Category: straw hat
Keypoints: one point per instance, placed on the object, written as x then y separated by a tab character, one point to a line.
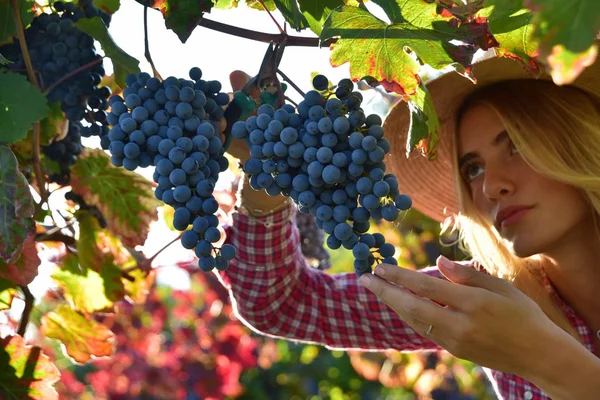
430	184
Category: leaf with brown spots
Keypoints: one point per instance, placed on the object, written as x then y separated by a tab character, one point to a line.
125	199
26	372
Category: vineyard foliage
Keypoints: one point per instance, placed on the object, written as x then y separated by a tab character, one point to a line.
106	329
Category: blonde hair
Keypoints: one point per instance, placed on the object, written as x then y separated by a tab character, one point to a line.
557	132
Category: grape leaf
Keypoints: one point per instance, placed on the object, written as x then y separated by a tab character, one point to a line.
26	372
25	269
8	29
182	16
566	31
511	25
83	338
317	11
16	207
225	4
290	11
123	63
87	290
378	50
89	246
424	130
256	5
19	112
109	6
124	198
8	290
139	289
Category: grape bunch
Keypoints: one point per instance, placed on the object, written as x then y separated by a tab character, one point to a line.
328	156
174	126
312	240
57	48
64	152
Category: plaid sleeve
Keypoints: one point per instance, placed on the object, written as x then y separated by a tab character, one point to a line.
275	293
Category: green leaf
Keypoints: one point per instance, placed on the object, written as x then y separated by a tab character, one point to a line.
125	199
16	207
510	24
225	4
88	244
182	16
8	290
8	29
83	338
4	60
566	31
25	269
123	63
257	6
21	105
26	372
424	124
109	6
317	11
290	11
378	50
86	290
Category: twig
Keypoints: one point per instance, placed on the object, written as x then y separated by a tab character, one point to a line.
148	261
22	43
72	73
272	17
147	46
262	36
56	237
42	237
37	164
288	80
291	101
29	300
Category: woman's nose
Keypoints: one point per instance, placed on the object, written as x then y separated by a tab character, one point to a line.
497	182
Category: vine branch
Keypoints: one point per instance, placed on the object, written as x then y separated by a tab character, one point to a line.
37	167
147	46
262	36
22	43
29	300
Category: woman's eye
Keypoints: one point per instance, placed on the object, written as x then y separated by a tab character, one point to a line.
513	149
472	171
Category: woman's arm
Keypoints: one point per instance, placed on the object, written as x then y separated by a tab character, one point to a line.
275	293
566	370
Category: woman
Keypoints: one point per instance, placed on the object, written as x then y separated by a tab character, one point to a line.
518	171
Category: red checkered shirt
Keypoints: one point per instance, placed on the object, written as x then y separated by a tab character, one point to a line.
276	294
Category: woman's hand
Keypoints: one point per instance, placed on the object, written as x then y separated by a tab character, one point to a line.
486	320
238	148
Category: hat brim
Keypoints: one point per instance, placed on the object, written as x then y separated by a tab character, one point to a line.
430	184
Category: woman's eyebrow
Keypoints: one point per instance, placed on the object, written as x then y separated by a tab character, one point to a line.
499	139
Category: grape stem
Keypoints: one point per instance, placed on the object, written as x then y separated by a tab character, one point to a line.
23	43
37	167
288	80
272	17
147	46
149	260
29	300
72	73
262	36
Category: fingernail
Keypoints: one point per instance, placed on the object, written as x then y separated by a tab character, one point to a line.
447	263
380	271
365	279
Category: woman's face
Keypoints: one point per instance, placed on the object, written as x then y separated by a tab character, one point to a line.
534	213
